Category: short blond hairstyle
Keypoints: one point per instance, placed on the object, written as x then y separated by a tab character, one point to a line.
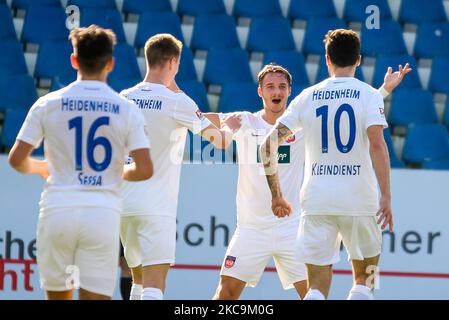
273	68
160	48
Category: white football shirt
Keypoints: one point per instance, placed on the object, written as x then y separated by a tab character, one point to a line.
88	129
167	115
334	115
253	193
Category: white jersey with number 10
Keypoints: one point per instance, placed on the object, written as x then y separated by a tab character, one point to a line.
338	177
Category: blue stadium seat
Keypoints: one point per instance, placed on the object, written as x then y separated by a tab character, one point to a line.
214	31
438	75
227	65
25	4
436	165
293	61
394	160
197	92
418	11
270	33
119	84
61	81
426	142
18	92
7	30
106	18
386	40
110	4
151	23
432	39
246	8
126	66
44	24
11	126
139	6
187	70
446	114
306	9
196	8
12	59
411	80
355	9
316	30
296	90
324	74
53	60
239	97
412	106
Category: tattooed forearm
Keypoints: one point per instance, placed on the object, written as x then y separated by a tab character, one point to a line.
269	156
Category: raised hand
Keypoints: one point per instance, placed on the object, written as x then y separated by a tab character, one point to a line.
393	79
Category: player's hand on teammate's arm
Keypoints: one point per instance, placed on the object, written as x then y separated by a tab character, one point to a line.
233	122
281	207
385	214
393	79
141	168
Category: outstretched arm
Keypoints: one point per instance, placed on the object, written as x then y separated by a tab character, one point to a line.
393	79
269	156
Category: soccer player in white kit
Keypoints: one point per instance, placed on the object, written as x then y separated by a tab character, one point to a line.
88	130
148	223
259	234
342	120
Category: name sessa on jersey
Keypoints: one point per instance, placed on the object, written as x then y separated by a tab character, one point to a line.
88	129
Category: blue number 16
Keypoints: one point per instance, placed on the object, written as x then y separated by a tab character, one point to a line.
92	143
323	112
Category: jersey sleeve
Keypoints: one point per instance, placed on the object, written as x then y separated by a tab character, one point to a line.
187	114
291	118
137	137
32	130
375	112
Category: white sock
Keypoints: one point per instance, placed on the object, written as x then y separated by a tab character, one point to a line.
152	294
314	294
360	292
136	292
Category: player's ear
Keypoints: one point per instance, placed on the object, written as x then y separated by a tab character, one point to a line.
259	91
110	65
328	60
74	61
359	60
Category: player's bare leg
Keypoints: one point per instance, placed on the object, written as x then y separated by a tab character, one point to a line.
229	288
319	280
153	281
88	295
59	295
137	286
364	275
301	288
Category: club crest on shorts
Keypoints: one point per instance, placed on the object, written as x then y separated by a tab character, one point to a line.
229	262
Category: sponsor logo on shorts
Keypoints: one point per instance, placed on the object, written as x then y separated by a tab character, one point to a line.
229	262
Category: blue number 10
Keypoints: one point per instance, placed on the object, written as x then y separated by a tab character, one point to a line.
323	111
92	143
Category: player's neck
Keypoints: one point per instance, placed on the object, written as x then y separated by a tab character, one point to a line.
158	77
347	72
97	77
271	117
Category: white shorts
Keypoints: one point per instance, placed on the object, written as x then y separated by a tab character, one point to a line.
319	238
148	240
78	246
251	249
